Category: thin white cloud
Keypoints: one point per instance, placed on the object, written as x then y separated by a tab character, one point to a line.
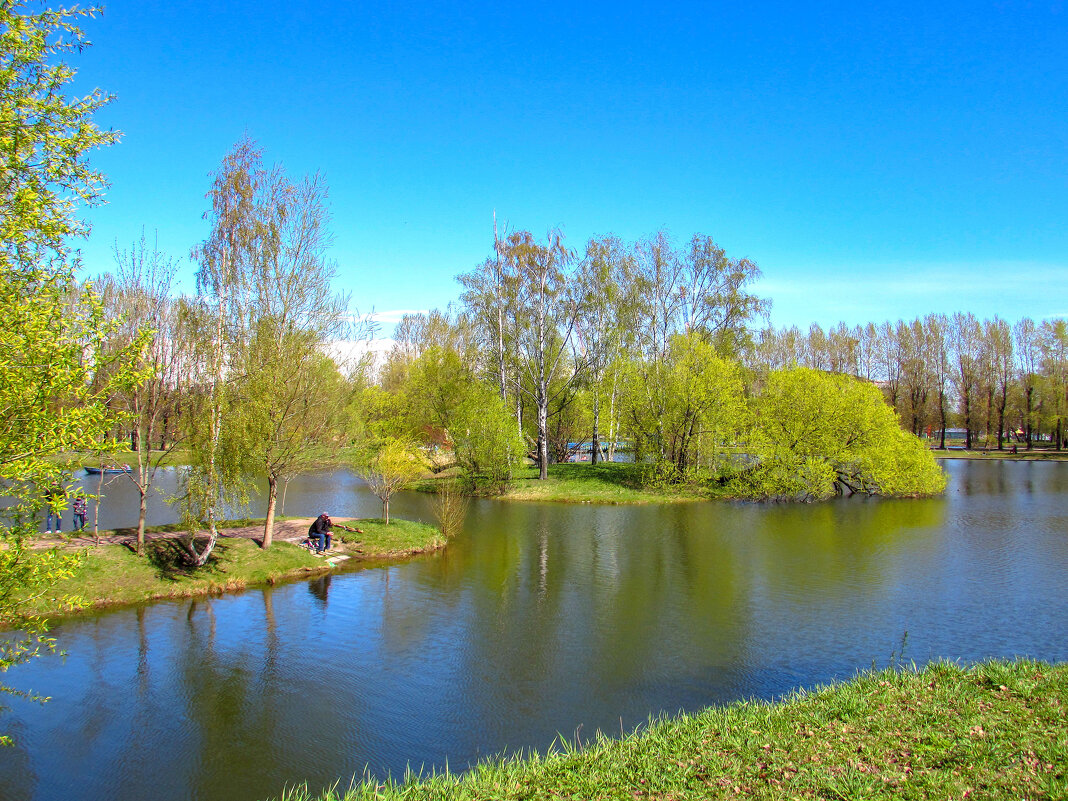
393	316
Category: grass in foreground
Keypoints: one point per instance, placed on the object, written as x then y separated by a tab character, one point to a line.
993	731
114	574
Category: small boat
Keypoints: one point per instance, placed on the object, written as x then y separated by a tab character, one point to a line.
107	471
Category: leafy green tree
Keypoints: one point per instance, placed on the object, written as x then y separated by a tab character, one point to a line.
819	434
700	407
53	337
488	446
389	468
45	137
289	411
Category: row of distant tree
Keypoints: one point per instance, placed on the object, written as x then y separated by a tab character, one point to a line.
559	334
989	377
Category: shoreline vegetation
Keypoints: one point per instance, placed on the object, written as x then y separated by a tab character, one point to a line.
111	574
993	731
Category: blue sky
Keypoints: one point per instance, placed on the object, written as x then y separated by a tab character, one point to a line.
876	161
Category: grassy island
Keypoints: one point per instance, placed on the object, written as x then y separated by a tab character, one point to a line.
607	482
992	731
112	574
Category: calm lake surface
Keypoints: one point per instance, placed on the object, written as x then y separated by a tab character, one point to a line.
539	620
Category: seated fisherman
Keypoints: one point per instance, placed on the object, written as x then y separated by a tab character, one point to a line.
319	532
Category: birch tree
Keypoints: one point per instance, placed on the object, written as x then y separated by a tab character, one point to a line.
604	278
1028	360
546	312
220	319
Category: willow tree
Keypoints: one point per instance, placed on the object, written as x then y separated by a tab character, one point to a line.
289	389
704	408
219	321
818	434
696	291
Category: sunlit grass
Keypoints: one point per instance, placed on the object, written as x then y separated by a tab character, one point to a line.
113	574
606	482
993	731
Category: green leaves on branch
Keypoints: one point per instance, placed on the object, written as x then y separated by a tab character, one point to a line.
486	440
819	434
390	467
44	134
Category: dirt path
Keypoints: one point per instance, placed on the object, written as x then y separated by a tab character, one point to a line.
292	530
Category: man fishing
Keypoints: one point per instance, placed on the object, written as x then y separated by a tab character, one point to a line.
319	532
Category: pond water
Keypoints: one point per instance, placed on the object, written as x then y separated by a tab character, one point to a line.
538	621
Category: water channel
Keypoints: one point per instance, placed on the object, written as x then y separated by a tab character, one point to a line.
540	620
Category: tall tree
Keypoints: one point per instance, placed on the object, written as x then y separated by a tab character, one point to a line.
139	301
965	335
998	336
227	259
607	311
1028	361
50	348
937	331
546	311
288	411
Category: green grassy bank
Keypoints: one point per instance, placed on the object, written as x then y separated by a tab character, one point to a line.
993	731
607	482
1006	455
113	574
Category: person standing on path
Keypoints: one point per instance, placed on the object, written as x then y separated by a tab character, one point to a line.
78	508
53	498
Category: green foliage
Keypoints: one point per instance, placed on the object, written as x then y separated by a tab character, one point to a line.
683	410
819	434
44	135
54	382
390	467
486	440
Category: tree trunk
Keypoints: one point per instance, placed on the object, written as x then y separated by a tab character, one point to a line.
942	417
1028	429
141	514
1001	423
595	456
543	439
385	510
967	420
272	498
